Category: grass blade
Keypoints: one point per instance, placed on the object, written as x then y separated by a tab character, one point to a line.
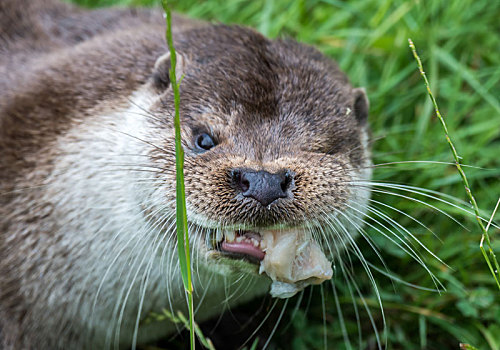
493	266
181	217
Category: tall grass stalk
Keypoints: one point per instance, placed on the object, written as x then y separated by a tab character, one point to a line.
181	217
494	266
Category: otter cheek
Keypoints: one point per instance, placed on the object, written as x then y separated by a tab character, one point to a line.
293	261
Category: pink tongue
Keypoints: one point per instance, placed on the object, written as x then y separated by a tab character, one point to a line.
243	248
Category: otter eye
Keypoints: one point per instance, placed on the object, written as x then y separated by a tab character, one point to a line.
204	141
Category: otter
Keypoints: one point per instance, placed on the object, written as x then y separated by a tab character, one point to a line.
274	137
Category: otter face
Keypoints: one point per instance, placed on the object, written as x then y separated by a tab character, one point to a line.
274	135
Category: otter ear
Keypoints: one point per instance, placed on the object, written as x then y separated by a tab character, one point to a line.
361	105
161	76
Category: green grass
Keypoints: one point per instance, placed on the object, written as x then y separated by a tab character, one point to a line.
459	45
180	192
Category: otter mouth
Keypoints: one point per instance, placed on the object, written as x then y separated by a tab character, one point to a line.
241	244
291	258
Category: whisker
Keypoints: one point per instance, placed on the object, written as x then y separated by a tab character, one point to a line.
370	316
402	281
363	261
148	114
408	216
294	312
269	312
425	193
139	262
380	165
276	325
117	255
124	296
145	282
323	308
396	225
421	202
364	235
165	151
408	251
343	328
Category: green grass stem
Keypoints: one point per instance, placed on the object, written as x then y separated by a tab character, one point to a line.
181	217
485	236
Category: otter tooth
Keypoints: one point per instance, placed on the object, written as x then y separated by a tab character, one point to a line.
230	236
219	236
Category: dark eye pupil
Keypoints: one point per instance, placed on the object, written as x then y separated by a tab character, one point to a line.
204	141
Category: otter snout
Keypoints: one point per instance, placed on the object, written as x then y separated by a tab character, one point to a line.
261	185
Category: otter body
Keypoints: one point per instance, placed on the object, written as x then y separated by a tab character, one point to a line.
273	135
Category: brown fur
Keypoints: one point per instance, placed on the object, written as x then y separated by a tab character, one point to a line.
269	105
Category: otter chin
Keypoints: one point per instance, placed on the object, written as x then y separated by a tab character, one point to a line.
275	139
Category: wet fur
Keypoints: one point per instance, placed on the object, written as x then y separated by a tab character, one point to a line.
87	164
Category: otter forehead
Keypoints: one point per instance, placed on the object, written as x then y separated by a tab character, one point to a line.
263	96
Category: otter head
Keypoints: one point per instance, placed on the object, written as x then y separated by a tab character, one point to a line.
274	137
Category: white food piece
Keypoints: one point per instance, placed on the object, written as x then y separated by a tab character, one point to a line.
284	290
293	261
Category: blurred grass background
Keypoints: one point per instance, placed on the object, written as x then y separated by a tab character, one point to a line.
459	42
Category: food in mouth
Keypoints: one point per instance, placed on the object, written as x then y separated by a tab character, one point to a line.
290	257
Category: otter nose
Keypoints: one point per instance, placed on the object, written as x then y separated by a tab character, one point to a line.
262	185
